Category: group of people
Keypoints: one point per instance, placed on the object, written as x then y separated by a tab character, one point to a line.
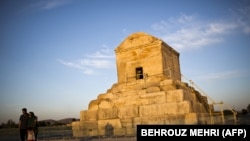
28	126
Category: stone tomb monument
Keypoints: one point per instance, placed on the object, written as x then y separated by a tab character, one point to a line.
149	91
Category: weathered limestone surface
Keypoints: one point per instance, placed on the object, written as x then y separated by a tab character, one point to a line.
149	91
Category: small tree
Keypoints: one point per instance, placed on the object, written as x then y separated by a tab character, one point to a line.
48	123
243	111
248	108
11	123
42	123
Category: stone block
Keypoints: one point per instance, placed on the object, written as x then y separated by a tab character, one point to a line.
91	132
90	115
166	82
110	113
188	96
165	108
152	89
184	107
156	78
106	95
176	119
93	105
197	107
153	98
83	115
167	87
105	104
119	131
177	95
128	93
126	101
136	121
101	132
88	125
127	123
192	96
75	125
116	123
174	96
204	118
153	120
158	109
130	131
191	118
152	84
204	99
128	112
141	84
77	133
141	92
84	128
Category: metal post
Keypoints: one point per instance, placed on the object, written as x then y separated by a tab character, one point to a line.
222	113
145	79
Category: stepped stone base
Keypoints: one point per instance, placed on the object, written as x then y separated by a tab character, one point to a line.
125	106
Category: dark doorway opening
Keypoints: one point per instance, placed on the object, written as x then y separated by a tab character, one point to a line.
139	73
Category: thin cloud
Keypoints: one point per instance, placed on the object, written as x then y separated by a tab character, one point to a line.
95	63
75	65
190	32
104	53
242	18
223	75
46	4
50	4
90	64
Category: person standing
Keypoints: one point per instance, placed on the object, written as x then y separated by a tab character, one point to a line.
33	123
109	130
23	124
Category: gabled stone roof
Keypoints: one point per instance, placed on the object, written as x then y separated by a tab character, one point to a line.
137	39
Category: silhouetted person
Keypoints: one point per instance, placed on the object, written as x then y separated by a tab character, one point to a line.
23	124
33	123
109	130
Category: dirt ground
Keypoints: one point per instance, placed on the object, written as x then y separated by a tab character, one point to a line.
244	119
96	139
47	133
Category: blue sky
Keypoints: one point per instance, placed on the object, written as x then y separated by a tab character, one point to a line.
58	55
